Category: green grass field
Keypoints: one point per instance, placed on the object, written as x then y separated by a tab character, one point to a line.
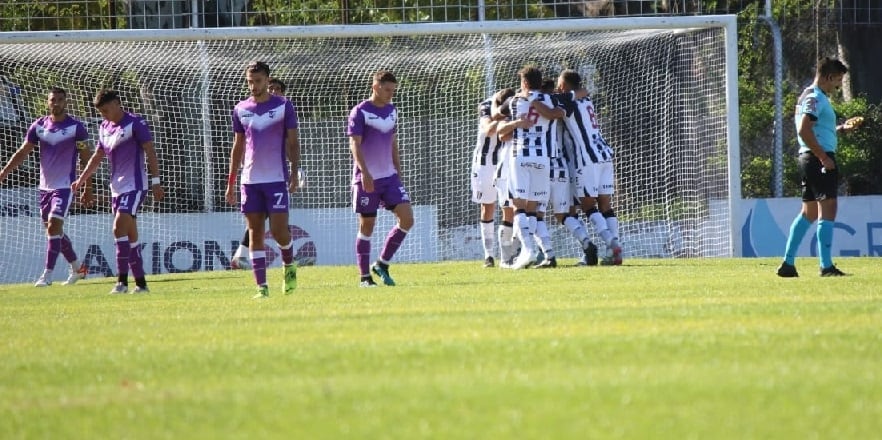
703	349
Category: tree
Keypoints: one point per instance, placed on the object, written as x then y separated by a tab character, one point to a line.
860	44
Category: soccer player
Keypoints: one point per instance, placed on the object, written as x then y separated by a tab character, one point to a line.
61	139
592	164
558	198
265	131
241	259
531	148
376	176
817	136
126	141
501	111
485	159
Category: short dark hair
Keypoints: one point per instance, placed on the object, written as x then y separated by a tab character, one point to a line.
830	66
57	91
279	83
384	76
533	77
500	96
105	96
548	85
571	78
257	67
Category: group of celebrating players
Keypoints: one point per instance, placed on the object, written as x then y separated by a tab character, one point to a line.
540	150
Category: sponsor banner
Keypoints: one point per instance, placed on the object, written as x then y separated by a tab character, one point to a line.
174	243
765	225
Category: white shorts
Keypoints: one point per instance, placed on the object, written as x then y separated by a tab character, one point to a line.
606	179
503	197
483	190
584	181
529	178
561	196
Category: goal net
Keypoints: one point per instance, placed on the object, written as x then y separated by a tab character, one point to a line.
664	89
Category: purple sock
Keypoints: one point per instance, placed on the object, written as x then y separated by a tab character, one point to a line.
123	250
136	262
67	249
363	254
258	266
393	242
52	251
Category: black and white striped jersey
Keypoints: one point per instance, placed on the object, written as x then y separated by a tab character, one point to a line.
487	148
538	140
584	133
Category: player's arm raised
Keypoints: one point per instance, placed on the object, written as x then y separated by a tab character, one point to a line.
235	159
367	181
292	150
93	164
17	159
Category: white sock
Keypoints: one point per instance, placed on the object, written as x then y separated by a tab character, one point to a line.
543	238
612	223
506	242
241	252
488	238
577	228
600	226
524	232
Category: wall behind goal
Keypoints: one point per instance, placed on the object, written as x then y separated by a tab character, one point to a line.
175	243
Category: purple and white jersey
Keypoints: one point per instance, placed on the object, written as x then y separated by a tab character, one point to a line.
376	126
58	149
121	142
265	125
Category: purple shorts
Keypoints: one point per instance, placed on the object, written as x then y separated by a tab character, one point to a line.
128	203
388	192
55	203
265	197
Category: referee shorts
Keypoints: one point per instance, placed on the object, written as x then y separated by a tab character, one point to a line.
817	182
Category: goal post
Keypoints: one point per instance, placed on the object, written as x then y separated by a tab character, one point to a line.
665	89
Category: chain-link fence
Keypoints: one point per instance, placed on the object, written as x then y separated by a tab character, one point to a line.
17	15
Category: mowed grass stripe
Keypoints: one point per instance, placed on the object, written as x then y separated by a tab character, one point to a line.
654	349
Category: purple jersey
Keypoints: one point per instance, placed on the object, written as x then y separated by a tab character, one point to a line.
58	149
265	126
121	142
376	126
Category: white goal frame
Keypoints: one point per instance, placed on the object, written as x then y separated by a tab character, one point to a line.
727	23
